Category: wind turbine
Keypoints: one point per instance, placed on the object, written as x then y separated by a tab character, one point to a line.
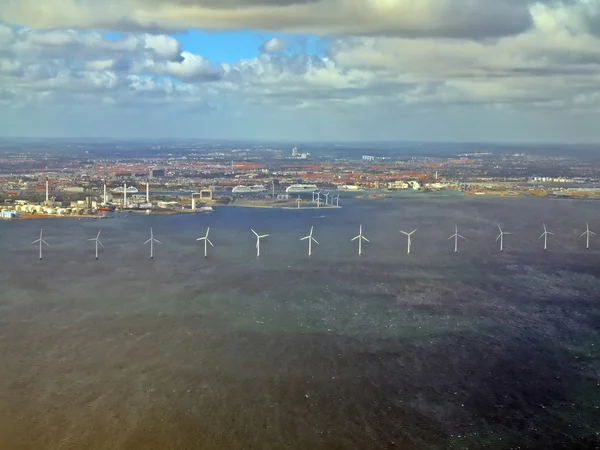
258	238
97	241
337	201
298	201
360	238
152	241
409	241
545	236
40	241
587	234
318	197
310	241
456	236
501	237
206	241
326	197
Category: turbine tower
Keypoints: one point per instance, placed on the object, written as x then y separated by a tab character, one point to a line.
456	236
152	241
326	197
337	201
587	233
206	242
97	241
408	235
545	236
501	237
310	241
360	238
318	197
40	241
298	201
258	238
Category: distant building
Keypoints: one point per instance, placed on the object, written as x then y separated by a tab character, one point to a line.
294	152
8	215
156	173
368	158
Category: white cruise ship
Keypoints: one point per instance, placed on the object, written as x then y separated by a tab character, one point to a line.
248	189
130	190
300	188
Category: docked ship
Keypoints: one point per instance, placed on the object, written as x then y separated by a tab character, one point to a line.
248	189
130	190
105	208
300	188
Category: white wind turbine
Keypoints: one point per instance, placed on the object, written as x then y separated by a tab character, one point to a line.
310	241
408	235
97	241
326	197
258	238
545	236
501	237
360	238
337	200
206	242
456	236
318	197
40	241
587	233
152	241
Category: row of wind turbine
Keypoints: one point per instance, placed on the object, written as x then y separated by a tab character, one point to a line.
310	238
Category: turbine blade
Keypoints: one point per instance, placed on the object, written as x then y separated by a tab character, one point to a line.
591	232
255	233
404	232
264	236
353	239
451	236
366	239
507	233
211	244
553	234
584	233
207	230
316	242
148	241
462	237
201	239
100	244
499	236
157	241
305	237
542	235
413	231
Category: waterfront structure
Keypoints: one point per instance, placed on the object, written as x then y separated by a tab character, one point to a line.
456	236
408	235
206	242
360	238
310	241
258	238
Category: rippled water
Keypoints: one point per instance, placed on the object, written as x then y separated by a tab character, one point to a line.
387	350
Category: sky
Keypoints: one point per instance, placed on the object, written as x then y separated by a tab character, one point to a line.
305	70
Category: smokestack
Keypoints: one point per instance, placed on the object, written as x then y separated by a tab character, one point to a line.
105	192
436	174
193	202
47	194
124	194
147	192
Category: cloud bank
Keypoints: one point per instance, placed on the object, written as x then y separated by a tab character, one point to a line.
513	68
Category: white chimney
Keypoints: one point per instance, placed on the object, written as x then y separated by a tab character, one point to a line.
147	192
47	194
124	194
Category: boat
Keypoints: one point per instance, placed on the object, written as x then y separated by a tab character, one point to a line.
105	208
206	209
248	189
130	190
300	188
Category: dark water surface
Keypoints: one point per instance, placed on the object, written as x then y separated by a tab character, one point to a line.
431	350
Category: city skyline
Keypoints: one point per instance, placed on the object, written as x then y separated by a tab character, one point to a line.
483	72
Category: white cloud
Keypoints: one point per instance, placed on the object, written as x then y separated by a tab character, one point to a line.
547	76
451	18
